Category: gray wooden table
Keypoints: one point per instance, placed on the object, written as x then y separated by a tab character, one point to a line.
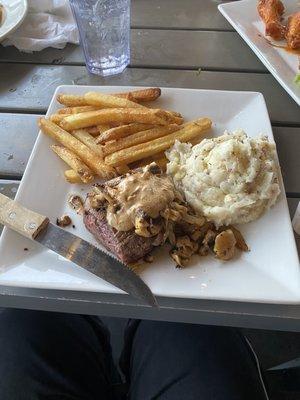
177	44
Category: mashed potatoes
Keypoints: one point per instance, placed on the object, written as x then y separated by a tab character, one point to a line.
231	179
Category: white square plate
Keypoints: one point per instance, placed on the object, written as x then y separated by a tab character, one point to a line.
284	66
268	273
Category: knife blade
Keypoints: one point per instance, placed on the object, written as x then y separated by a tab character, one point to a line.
38	228
95	261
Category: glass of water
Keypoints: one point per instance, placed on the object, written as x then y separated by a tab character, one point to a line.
104	28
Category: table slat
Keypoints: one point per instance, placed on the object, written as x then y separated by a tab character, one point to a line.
175	14
29	88
162	49
208	312
18	133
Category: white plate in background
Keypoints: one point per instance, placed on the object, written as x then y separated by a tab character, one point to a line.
284	66
268	273
14	13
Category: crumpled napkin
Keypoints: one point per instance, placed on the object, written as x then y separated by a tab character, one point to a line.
49	23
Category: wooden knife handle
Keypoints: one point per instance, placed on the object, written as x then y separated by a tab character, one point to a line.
20	219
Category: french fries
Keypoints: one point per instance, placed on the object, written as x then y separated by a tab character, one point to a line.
122	131
140	96
91	159
115	115
71	100
148	160
174	118
93	130
103	128
139	137
57	118
108	101
110	133
88	140
122	169
82	170
97	129
196	140
76	110
160	161
176	114
188	132
72	176
63	112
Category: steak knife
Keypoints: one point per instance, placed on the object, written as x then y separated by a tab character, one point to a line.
38	228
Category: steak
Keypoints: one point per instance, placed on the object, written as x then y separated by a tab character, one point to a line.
127	246
123	214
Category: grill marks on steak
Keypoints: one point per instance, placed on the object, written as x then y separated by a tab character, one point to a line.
127	246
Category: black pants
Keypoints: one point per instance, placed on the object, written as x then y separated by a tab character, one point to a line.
68	357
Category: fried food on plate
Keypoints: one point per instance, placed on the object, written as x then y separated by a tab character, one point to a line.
293	31
57	118
142	95
76	110
63	112
70	158
122	131
174	117
71	100
139	137
97	129
89	157
94	130
271	12
160	159
187	132
88	140
115	115
122	169
102	128
72	176
102	100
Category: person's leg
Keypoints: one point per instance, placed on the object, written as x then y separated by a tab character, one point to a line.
173	361
47	355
